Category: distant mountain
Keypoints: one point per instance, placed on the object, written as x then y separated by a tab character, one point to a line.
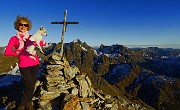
2	50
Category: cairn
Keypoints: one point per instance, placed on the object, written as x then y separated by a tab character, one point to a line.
66	88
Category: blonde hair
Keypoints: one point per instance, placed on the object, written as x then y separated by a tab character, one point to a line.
22	18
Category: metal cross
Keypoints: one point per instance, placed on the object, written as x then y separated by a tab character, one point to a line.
64	29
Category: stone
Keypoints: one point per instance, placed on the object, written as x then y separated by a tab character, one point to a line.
72	104
70	72
84	88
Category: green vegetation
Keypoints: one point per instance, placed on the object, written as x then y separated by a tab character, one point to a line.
6	62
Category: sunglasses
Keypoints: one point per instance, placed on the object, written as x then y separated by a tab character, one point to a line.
25	25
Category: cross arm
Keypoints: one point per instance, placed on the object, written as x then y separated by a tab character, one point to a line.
65	22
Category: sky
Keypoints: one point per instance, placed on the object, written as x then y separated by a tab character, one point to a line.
108	22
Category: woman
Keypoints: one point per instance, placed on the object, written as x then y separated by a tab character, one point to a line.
28	67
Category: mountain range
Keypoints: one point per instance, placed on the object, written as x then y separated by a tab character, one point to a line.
149	76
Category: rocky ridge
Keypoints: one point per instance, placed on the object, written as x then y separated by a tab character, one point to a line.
134	71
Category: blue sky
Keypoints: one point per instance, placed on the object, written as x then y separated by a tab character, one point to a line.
108	22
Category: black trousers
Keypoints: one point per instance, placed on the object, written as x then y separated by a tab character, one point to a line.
30	76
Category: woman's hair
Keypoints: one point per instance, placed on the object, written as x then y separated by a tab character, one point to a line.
22	18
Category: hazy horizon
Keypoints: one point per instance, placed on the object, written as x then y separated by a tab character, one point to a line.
108	22
132	46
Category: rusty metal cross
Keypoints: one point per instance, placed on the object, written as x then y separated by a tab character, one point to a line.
64	29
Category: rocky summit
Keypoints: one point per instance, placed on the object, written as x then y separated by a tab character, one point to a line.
64	87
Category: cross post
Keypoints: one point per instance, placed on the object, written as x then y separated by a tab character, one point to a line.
64	29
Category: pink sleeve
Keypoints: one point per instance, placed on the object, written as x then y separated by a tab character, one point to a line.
9	48
42	43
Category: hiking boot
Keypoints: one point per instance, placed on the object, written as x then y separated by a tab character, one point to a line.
21	107
29	106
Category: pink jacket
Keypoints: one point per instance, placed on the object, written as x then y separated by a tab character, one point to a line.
23	56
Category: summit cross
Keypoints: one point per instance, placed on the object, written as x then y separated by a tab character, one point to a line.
64	29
